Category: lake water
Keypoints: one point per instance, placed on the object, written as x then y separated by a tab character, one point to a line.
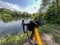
13	27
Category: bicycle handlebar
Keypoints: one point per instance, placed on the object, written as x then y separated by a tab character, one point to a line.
30	25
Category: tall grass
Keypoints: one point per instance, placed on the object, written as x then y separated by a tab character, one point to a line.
13	40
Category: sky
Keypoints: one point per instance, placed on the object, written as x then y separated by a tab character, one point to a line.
30	6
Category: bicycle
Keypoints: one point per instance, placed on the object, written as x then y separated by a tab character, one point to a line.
33	27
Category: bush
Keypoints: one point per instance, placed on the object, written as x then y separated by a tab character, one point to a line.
14	40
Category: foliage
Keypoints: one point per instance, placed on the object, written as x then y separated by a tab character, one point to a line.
51	13
13	40
8	15
57	38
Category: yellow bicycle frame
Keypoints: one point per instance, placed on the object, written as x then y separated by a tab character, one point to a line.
37	37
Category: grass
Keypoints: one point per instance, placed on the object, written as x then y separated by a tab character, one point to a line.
13	40
57	38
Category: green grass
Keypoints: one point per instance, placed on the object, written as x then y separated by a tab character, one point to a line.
57	38
44	29
13	40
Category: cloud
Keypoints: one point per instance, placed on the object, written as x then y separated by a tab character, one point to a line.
32	9
15	7
10	6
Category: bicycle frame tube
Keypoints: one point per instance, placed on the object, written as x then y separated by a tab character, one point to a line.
37	37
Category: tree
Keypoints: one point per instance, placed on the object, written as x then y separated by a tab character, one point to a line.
51	14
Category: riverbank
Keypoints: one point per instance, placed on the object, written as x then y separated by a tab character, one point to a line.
45	31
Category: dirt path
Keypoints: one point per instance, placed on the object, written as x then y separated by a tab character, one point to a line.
27	43
47	39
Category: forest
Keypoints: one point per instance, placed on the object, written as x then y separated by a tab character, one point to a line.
8	15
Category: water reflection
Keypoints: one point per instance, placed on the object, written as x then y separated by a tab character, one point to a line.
13	27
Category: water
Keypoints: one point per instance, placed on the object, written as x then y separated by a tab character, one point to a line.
13	27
